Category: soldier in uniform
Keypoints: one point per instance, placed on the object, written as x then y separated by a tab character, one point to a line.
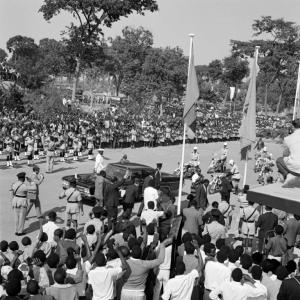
74	204
29	144
157	175
83	144
75	148
19	202
195	159
62	148
249	215
9	150
70	146
36	179
50	155
90	145
17	148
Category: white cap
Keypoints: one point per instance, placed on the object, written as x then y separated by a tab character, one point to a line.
100	149
231	162
195	148
265	149
225	144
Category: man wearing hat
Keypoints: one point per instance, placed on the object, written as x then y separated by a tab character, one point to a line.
99	161
74	204
157	176
19	202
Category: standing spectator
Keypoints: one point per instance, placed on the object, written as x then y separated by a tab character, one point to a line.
236	288
135	286
201	195
102	278
181	286
277	246
60	290
292	230
215	273
266	223
50	227
97	211
215	229
34	292
192	218
131	197
50	155
290	288
226	187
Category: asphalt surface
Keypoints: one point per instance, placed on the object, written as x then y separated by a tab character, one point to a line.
52	185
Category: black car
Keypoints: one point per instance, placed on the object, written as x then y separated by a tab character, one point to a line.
86	182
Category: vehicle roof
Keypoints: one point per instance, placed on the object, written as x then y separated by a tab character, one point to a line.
130	165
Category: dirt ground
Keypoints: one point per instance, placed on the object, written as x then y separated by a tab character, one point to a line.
52	185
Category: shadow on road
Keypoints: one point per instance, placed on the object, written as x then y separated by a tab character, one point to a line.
63	169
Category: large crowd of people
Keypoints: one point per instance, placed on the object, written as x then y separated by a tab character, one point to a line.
71	132
220	250
114	257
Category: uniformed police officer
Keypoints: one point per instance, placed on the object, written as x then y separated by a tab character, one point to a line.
249	215
74	204
19	202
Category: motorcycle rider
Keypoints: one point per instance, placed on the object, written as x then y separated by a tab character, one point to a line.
235	176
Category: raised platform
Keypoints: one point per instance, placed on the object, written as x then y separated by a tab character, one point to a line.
286	199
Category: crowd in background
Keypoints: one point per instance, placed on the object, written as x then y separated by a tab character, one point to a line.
75	131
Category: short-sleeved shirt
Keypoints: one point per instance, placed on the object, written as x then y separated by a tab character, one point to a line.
72	195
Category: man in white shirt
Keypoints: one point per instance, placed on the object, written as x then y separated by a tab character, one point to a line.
50	226
99	161
181	286
102	278
150	194
236	288
150	214
216	272
214	228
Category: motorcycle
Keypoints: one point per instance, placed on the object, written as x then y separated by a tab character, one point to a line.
188	170
215	184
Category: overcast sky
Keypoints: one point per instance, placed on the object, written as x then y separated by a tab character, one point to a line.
214	22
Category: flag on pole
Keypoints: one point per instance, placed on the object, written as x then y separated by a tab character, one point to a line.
192	93
296	114
248	126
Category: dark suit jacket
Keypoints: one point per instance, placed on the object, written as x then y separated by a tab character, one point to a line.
201	196
289	290
132	194
112	195
157	179
266	222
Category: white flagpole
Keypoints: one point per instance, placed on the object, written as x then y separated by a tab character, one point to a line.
246	161
183	142
297	96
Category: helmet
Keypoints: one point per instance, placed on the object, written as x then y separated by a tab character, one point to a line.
225	144
231	162
195	148
265	149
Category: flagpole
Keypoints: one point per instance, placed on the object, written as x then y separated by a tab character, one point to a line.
191	35
297	91
246	161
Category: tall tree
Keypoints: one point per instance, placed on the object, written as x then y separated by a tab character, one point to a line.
279	51
91	17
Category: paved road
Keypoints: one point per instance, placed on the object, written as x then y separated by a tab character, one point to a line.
51	187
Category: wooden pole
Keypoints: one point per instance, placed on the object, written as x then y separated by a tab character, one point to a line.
297	94
181	172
